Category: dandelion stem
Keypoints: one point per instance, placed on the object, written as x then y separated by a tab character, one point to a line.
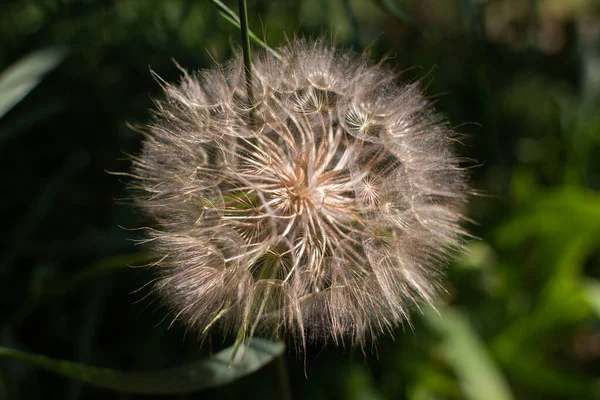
284	378
247	57
233	19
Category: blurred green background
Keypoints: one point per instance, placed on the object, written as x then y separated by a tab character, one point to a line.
520	78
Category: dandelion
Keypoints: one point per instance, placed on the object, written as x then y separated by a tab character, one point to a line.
326	215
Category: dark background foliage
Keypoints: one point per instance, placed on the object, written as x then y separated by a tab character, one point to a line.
521	79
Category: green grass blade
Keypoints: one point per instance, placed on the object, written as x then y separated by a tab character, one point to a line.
67	285
24	75
466	353
204	374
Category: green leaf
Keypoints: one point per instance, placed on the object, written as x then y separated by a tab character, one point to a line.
204	374
24	75
561	230
563	210
466	353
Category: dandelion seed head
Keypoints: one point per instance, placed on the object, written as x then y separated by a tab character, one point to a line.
327	215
